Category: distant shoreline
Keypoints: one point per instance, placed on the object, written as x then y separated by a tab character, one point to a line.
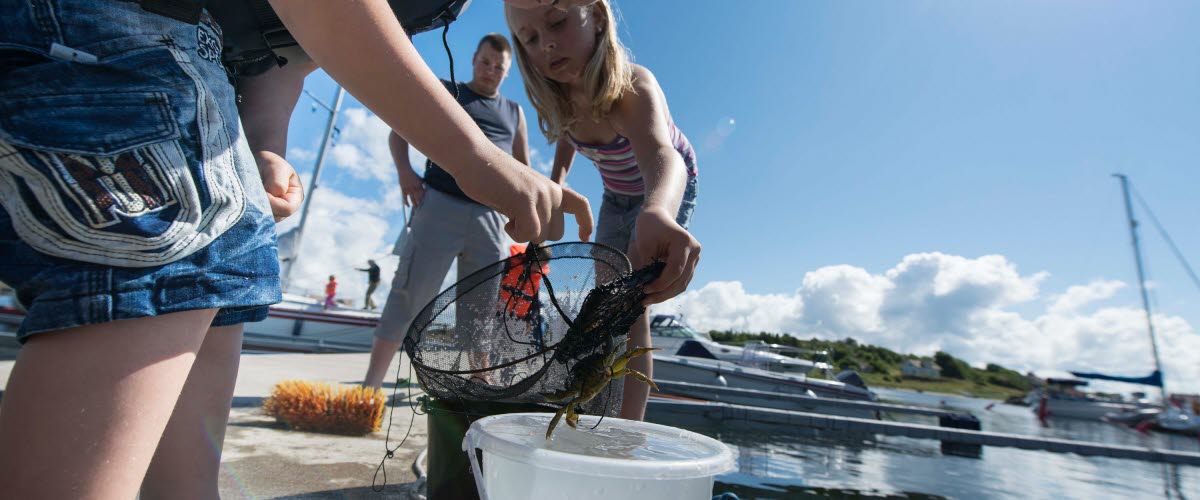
947	387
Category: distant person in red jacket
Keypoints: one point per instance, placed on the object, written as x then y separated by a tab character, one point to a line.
330	291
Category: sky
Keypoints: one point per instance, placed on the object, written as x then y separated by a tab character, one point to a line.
921	175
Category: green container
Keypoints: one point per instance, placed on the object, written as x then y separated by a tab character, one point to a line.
448	476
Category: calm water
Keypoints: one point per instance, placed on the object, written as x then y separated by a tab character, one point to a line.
774	464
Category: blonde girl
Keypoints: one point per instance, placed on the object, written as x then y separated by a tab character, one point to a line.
592	100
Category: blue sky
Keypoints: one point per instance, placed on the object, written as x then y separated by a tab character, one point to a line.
851	136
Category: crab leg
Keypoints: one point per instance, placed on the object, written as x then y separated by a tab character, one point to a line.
636	374
554	421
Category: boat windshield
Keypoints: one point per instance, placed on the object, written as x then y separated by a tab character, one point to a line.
670	326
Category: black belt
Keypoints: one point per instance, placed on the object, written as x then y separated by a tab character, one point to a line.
187	11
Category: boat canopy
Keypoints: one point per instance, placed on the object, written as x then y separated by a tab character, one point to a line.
1154	379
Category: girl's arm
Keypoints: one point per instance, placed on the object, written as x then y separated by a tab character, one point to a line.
564	156
642	116
520	149
362	46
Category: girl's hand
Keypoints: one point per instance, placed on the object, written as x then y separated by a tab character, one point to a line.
284	191
657	236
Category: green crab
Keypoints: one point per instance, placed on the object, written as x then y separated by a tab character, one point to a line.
589	376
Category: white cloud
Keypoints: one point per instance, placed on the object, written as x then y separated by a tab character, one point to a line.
934	301
341	233
539	162
361	148
1078	296
296	155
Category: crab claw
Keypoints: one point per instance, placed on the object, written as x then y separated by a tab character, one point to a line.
629	355
636	374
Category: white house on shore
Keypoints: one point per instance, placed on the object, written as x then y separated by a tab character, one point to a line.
921	368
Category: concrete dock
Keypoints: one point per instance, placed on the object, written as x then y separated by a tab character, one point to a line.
263	460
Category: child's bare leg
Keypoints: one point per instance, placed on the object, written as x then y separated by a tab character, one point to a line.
188	458
382	353
85	406
633	403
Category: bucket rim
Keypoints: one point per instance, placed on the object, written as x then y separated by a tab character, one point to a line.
719	461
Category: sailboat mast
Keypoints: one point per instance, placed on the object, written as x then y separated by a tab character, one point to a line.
312	185
1137	257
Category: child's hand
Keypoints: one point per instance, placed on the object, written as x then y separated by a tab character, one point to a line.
658	236
533	203
279	179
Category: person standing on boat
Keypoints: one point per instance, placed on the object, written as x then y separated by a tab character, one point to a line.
372	271
446	223
330	292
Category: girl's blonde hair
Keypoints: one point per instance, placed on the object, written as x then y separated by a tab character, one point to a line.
606	78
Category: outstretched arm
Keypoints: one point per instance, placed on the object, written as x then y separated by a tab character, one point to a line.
367	52
643	117
564	156
520	149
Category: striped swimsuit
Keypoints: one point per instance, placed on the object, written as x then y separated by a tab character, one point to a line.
618	167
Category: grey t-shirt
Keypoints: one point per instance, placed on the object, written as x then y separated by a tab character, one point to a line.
498	117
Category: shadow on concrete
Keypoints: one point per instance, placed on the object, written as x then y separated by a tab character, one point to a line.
391	491
404	383
261	424
247	401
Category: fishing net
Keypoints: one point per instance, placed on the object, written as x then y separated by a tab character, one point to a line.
515	331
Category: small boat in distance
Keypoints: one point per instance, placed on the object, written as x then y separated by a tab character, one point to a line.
1062	398
670	333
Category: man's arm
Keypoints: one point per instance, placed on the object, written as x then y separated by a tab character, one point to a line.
362	46
520	149
266	108
412	187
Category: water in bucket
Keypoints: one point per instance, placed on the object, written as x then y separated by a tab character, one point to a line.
619	459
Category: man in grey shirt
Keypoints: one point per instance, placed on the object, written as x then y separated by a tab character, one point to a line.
446	223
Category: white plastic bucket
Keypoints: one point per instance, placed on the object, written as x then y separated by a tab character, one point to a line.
619	459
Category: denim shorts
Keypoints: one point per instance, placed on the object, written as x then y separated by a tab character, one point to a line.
127	186
618	215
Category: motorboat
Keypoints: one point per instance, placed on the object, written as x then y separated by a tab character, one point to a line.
716	372
670	333
1061	398
1178	418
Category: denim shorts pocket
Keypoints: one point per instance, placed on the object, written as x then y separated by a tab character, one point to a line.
114	173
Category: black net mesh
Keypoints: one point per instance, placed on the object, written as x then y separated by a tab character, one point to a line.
515	330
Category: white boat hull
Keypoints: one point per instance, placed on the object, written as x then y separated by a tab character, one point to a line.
1082	408
712	372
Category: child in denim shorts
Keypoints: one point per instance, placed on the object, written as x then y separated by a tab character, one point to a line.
137	230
